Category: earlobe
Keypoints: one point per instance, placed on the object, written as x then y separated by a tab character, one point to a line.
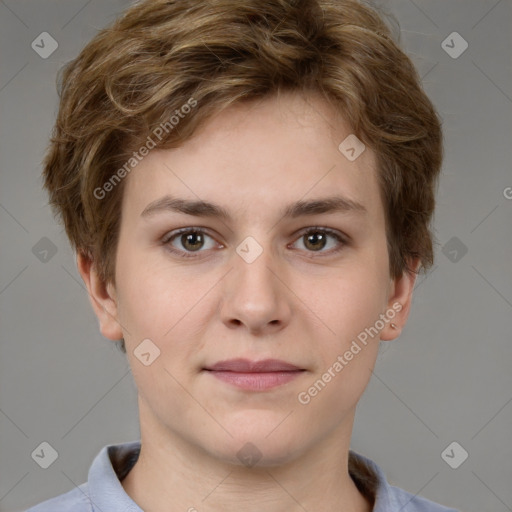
102	298
399	302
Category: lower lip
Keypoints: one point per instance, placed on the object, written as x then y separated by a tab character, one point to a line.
256	381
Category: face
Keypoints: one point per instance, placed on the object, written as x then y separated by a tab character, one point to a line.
271	280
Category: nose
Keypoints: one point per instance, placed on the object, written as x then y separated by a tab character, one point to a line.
255	295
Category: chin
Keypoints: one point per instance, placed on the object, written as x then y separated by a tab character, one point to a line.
261	444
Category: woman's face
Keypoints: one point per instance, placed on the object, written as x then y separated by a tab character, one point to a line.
254	285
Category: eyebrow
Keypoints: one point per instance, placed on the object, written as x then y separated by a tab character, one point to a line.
200	208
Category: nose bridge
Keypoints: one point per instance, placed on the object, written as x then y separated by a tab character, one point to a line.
253	264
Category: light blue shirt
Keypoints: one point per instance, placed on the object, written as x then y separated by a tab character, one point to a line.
103	491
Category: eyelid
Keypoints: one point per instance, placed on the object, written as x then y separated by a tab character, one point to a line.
330	231
192	229
166	239
342	239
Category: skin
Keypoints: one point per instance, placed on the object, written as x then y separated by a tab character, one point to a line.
298	302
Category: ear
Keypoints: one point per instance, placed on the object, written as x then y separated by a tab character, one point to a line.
102	297
399	301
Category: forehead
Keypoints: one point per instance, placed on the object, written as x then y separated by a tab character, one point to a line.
257	158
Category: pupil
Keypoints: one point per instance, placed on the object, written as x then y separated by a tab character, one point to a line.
312	240
317	236
190	237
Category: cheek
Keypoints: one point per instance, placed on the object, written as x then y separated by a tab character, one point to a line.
349	301
163	303
345	360
148	302
349	306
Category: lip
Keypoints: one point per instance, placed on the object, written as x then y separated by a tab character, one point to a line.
247	366
254	375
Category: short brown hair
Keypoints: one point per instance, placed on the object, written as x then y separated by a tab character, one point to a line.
135	74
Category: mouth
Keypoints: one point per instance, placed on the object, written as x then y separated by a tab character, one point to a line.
254	375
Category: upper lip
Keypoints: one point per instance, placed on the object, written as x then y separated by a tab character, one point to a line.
247	366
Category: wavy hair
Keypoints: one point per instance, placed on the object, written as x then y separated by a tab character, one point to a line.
134	75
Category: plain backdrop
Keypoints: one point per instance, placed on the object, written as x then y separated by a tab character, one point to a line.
446	379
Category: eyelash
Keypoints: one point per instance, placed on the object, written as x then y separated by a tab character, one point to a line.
183	254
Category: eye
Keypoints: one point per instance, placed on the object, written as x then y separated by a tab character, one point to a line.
316	239
192	240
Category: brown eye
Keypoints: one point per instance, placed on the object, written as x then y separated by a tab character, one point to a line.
316	239
192	241
186	242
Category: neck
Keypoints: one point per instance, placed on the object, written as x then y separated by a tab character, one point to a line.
172	474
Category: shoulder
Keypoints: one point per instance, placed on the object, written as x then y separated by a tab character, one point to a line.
407	502
372	482
76	500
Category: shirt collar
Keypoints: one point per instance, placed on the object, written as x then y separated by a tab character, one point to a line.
114	462
371	481
105	489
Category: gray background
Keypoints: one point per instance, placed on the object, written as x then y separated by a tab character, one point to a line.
447	378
